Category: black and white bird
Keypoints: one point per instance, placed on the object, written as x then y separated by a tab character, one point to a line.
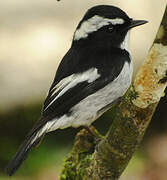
95	73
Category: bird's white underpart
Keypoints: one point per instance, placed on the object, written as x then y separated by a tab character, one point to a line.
93	24
85	112
125	44
69	82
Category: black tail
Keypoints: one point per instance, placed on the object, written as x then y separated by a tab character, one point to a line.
22	153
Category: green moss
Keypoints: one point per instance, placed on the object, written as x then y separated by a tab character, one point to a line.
75	165
84	163
130	95
69	169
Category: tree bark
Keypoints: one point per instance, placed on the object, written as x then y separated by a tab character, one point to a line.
107	159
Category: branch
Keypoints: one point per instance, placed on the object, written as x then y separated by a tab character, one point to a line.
109	158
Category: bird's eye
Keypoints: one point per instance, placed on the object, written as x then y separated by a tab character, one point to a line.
110	29
107	29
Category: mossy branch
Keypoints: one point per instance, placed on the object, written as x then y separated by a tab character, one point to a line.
108	159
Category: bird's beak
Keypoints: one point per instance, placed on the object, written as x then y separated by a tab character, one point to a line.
135	23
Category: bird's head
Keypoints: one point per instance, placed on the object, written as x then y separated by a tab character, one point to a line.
105	24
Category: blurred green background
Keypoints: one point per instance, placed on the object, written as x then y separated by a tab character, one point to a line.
34	36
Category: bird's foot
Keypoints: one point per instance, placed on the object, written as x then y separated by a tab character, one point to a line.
94	133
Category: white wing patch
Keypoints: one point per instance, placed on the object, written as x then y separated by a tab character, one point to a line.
71	81
64	82
93	24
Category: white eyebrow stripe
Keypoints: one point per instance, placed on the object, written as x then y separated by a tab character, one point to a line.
71	81
93	24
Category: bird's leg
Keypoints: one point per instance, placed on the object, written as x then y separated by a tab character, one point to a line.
91	131
118	101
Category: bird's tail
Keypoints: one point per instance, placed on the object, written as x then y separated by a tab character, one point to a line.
31	141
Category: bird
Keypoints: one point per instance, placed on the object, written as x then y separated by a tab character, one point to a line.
93	75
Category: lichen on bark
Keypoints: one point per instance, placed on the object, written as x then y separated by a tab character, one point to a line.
107	159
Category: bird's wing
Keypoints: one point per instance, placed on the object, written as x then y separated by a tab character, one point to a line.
72	89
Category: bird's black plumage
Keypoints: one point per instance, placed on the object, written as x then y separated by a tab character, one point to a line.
108	68
106	11
96	63
22	153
